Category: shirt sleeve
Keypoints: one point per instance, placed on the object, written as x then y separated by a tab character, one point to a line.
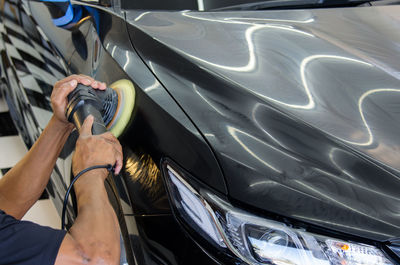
23	242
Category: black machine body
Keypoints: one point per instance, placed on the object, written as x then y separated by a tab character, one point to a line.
85	101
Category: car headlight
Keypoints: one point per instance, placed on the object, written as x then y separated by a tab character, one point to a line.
257	240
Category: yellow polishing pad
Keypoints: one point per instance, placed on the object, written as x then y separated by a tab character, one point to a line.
126	101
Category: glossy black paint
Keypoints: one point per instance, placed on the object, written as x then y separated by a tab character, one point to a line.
301	115
232	99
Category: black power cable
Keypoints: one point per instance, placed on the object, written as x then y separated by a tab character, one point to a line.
108	167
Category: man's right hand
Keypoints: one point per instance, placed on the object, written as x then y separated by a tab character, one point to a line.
94	238
94	150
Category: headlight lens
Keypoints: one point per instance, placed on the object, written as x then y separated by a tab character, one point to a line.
192	207
258	240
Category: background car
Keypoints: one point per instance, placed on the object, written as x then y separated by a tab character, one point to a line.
262	133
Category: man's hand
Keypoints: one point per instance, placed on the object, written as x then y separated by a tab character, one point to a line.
94	238
94	150
65	86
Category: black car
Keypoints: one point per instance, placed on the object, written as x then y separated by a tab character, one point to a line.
262	132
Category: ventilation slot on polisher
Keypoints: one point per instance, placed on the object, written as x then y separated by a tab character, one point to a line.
109	106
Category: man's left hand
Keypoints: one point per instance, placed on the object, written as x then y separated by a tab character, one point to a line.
62	88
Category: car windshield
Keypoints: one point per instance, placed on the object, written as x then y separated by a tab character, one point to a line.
206	5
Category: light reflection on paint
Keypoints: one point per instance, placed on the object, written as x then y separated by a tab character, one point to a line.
253	114
152	86
344	205
332	158
141	16
143	170
303	65
360	109
340	225
127	60
255	20
264	183
347	182
268	182
113	50
233	131
207	101
251	65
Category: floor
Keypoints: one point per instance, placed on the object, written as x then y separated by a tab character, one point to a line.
12	149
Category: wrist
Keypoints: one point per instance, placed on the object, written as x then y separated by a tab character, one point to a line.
89	191
101	173
91	180
61	125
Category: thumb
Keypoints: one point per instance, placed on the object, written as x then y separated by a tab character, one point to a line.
86	128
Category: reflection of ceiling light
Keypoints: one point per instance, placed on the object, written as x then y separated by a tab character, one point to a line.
233	131
303	65
250	66
269	20
127	60
141	15
360	109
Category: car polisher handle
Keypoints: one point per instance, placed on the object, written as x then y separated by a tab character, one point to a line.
83	102
83	112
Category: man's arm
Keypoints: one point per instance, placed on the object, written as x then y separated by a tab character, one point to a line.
22	186
94	237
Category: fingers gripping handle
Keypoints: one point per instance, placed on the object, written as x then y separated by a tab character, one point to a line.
83	102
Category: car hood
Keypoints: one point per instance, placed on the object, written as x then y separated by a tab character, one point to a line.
301	107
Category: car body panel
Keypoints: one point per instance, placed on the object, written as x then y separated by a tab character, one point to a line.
299	106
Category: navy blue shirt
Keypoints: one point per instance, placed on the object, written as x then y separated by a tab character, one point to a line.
23	242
